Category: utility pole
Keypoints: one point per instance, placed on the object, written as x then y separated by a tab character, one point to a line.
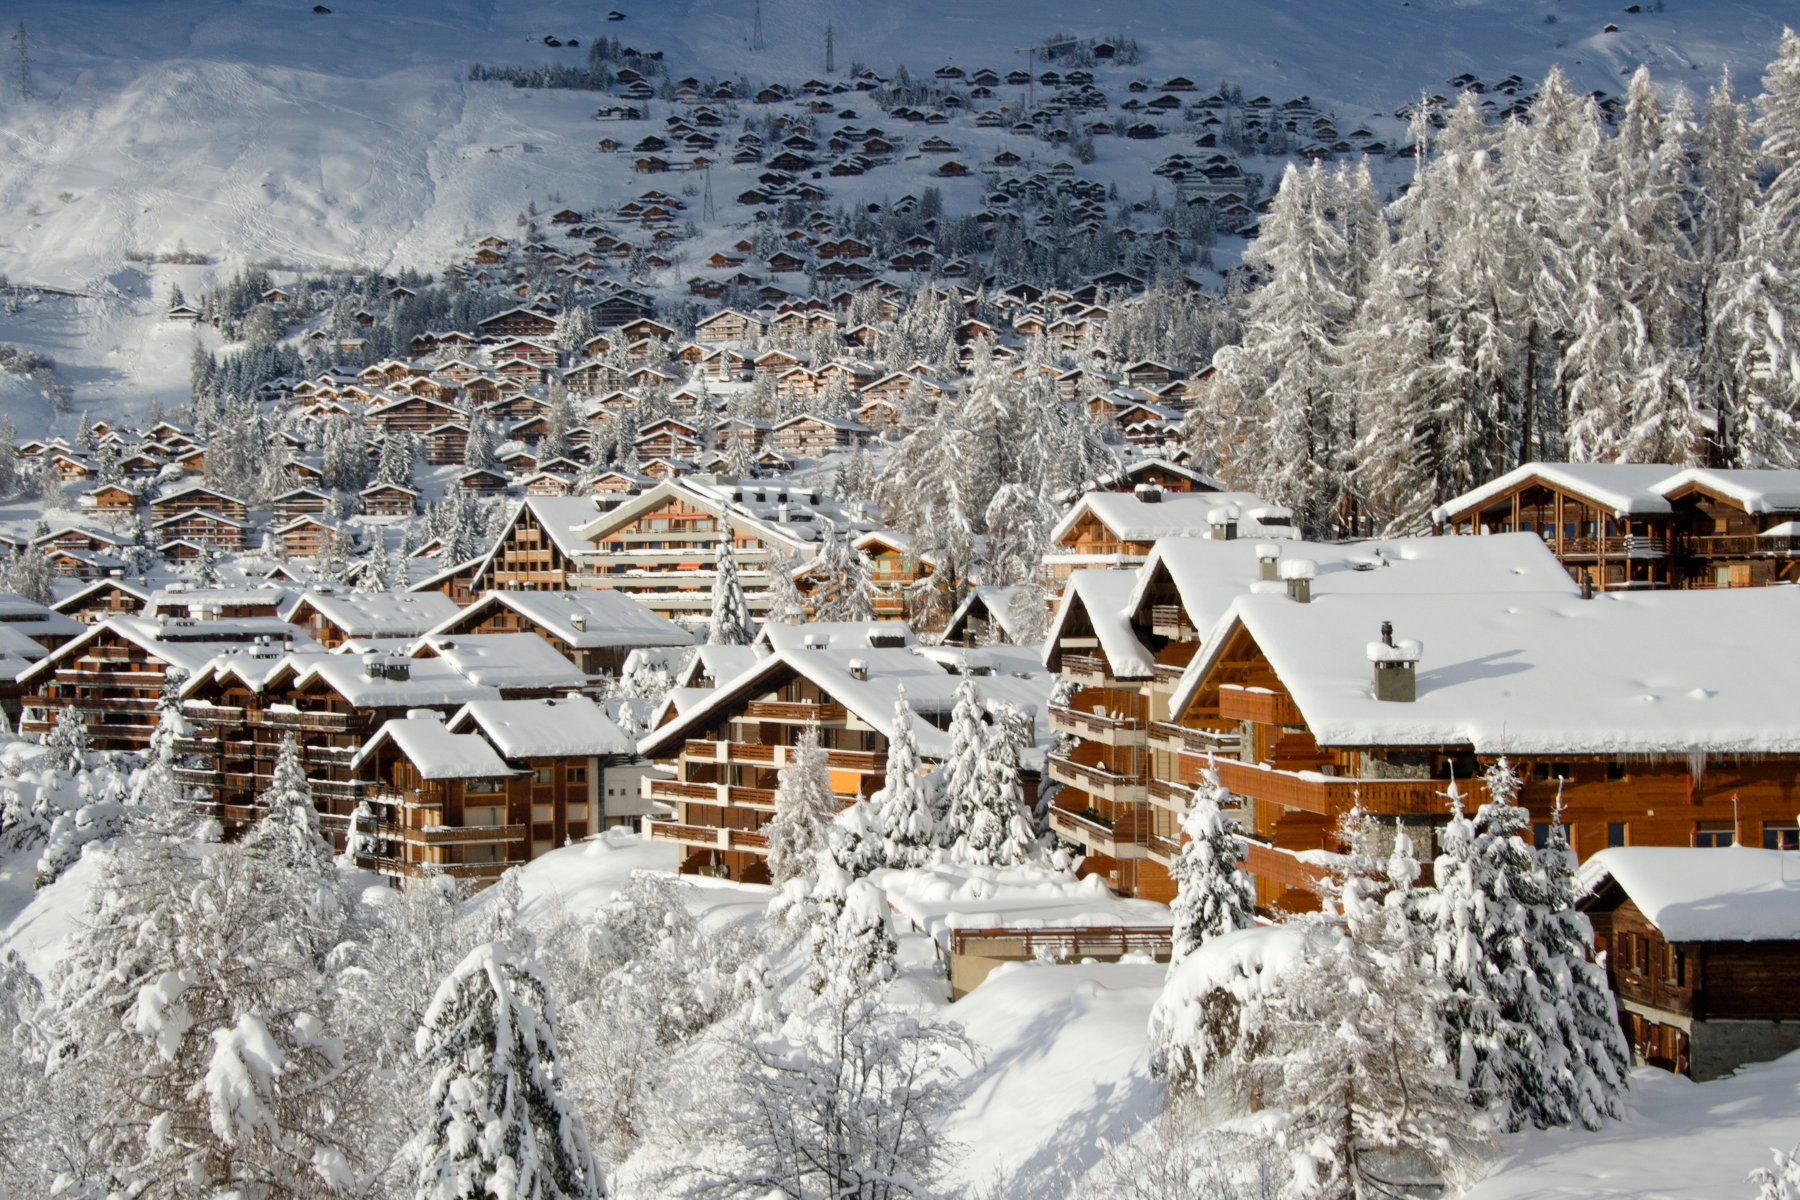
756	38
830	61
706	206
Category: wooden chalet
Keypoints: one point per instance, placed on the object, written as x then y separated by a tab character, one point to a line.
102	600
194	496
389	500
594	629
306	536
331	618
813	435
198	526
1702	950
299	502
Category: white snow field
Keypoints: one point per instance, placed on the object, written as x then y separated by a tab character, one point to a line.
259	130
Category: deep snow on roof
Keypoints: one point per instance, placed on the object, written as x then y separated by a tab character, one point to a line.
430	681
380	614
190	645
1629	489
938	899
521	729
1177	514
1757	491
611	618
835	635
435	751
1624	673
504	660
1209	574
1706	894
1104	596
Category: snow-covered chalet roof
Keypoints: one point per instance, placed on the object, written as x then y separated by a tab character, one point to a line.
1655	673
1705	894
938	899
502	660
187	644
835	635
1105	597
524	729
1757	491
1177	514
1628	489
435	751
378	614
609	618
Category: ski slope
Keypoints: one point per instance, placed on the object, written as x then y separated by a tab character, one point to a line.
259	130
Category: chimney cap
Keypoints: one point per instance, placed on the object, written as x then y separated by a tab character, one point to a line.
1299	568
1268	550
1222	514
1407	650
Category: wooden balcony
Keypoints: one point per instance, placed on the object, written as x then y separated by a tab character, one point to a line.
1091	669
756	754
1095	727
212	714
197	776
1097	781
1180	739
706	835
1168	620
1125	835
1238	703
1272	865
1330	796
1633	546
1725	546
723	794
415	870
93	704
135	679
1064	943
796	713
324	722
452	835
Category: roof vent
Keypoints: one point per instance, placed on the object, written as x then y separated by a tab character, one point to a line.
1267	555
859	669
1299	573
1148	493
816	641
579	621
372	665
424	714
1395	666
400	669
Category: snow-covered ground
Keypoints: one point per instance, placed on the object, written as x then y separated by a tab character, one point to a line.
260	130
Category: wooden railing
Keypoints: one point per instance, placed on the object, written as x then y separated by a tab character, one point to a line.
780	756
1181	739
706	835
804	713
1095	780
1130	826
400	866
1711	546
1631	546
1086	942
1089	668
326	722
137	679
1167	620
212	714
450	835
1330	796
1237	703
1113	731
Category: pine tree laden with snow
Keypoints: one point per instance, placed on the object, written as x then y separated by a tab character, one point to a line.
730	624
999	834
499	1123
804	807
1213	896
961	770
906	808
287	832
66	746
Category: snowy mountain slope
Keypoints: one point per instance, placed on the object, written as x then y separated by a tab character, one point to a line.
260	130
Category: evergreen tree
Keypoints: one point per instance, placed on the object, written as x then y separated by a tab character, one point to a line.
961	771
905	809
786	605
1212	894
499	1123
66	745
1726	210
31	576
804	807
730	624
287	833
84	433
842	590
9	456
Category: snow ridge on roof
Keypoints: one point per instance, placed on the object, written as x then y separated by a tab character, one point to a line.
521	729
1629	489
379	614
435	751
1177	514
1703	894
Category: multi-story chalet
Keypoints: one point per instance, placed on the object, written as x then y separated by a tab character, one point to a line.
184	600
586	775
196	496
1658	718
241	706
1117	529
893	568
517	322
1128	637
727	749
333	618
102	599
1636	525
441	802
1702	951
113	674
518	665
593	630
814	435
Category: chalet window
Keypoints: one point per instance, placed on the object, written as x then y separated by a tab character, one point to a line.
575	775
483	787
1615	833
1640	953
1714	833
1781	836
1540	834
1615	772
543	776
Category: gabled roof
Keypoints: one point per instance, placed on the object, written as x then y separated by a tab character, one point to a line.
77	598
435	751
1103	597
609	618
502	660
1757	491
525	729
378	614
183	643
1702	894
1177	514
1627	489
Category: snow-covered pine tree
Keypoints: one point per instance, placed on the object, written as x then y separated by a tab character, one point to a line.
731	625
1586	1087
287	833
499	1124
1212	893
999	835
1780	1182
843	590
961	771
66	745
1725	210
905	810
804	807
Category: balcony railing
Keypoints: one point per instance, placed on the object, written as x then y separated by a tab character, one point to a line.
451	835
1180	739
1330	796
1126	836
706	835
1088	942
1097	781
723	794
1167	620
1086	668
1630	546
1239	703
1096	727
1724	545
798	713
756	754
212	714
325	722
401	867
